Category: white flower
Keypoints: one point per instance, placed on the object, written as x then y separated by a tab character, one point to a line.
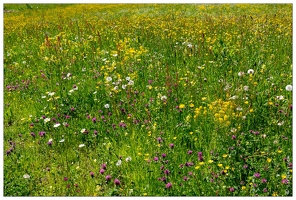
239	108
69	74
76	88
131	82
246	88
250	71
115	54
118	163
71	91
95	92
240	73
127	78
163	98
281	97
115	88
51	93
56	125
281	123
189	45
128	159
26	176
81	145
43	97
46	120
108	79
50	140
289	87
84	69
233	97
83	130
123	87
62	140
107	106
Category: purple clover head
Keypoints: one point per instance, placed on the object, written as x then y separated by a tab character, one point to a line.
189	152
231	189
33	134
102	171
172	145
263	180
49	143
257	175
66	178
108	177
92	174
166	172
163	155
155	158
185	178
116	182
168	185
41	133
285	181
104	166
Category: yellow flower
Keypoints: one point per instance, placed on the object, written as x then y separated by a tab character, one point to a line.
210	161
181	106
191	105
220	165
204	98
284	176
175	138
280	151
246	102
191	133
251	110
243	187
144	194
274	194
197	167
227	167
201	163
224	155
270	103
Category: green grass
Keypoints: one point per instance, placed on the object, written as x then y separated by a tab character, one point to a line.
197	99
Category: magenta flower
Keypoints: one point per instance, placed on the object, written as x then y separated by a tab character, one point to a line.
104	166
65	179
189	152
163	155
263	180
285	181
102	171
33	134
42	133
108	177
231	189
155	158
172	145
92	174
166	172
257	175
116	182
169	185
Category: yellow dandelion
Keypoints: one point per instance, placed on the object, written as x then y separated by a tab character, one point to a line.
191	105
220	165
201	163
224	155
243	187
191	133
210	161
181	106
197	167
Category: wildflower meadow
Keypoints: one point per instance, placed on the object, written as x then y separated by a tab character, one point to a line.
147	100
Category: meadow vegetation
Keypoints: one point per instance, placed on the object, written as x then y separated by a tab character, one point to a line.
148	100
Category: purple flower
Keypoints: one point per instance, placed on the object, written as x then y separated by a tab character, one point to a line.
102	171
155	158
263	180
163	155
159	139
245	166
257	175
172	145
104	166
33	134
108	177
116	182
92	174
185	178
189	152
233	137
285	181
72	109
42	133
65	179
231	189
166	172
49	143
264	190
169	185
200	158
190	173
95	132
